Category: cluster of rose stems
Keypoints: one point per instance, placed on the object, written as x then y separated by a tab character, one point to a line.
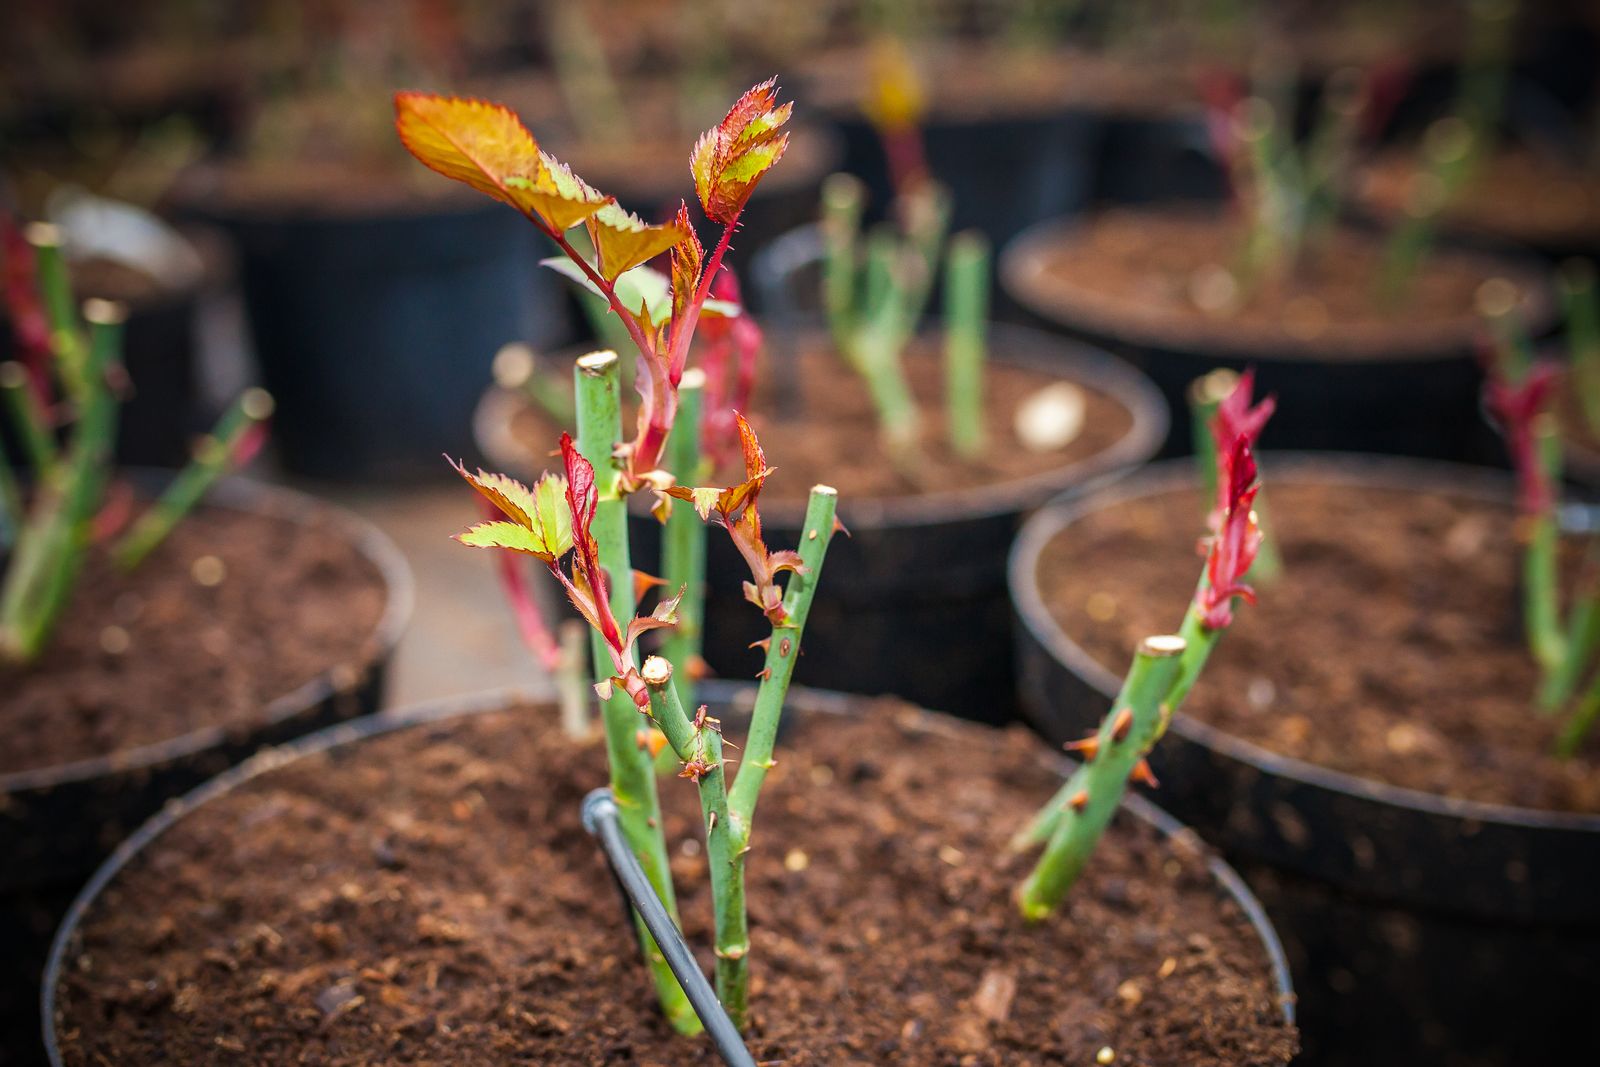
1519	394
1290	191
50	532
1453	146
875	297
697	741
486	146
1164	670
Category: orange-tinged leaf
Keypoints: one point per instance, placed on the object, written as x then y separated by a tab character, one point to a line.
513	498
624	241
563	198
486	146
688	257
730	159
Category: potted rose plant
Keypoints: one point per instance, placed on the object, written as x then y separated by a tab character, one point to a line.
477	809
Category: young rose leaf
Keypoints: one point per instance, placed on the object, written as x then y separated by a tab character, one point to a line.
1235	418
1233	549
540	514
510	536
664	616
688	258
1517	407
731	157
624	241
486	146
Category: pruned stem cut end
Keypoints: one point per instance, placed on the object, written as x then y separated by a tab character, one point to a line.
1163	645
656	672
597	362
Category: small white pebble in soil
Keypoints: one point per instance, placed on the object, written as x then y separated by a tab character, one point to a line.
1402	739
1168	966
1101	607
1130	993
690	846
951	855
1261	693
208	571
114	640
1051	418
1106	1055
821	775
1213	289
796	860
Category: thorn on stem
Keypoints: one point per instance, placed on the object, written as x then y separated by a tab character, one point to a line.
1079	800
1088	747
1121	725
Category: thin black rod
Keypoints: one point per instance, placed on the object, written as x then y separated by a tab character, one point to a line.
600	819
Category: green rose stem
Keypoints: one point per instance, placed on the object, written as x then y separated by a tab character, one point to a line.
697	742
966	315
213	455
25	414
683	550
633	779
1138	716
572	678
50	549
1198	641
873	308
783	649
1582	643
1206	393
55	290
11	513
1582	308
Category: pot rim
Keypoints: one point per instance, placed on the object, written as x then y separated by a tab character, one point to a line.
238	493
1022	346
1022	262
1323	468
1228	881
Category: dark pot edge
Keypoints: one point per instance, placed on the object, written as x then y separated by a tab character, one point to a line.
827	701
244	494
1354	469
1016	281
1024	347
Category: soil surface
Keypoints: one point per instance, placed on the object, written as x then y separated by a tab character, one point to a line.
834	438
1391	647
430	897
1147	276
1517	195
233	611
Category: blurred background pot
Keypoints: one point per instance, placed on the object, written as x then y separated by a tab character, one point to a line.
1416	924
57	823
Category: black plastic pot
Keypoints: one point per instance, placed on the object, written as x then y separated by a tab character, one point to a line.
1003	173
719	695
376	332
1421	929
58	823
1416	398
914	601
159	419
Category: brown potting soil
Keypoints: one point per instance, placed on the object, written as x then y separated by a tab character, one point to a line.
1144	275
834	436
233	611
1516	195
1391	647
431	897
